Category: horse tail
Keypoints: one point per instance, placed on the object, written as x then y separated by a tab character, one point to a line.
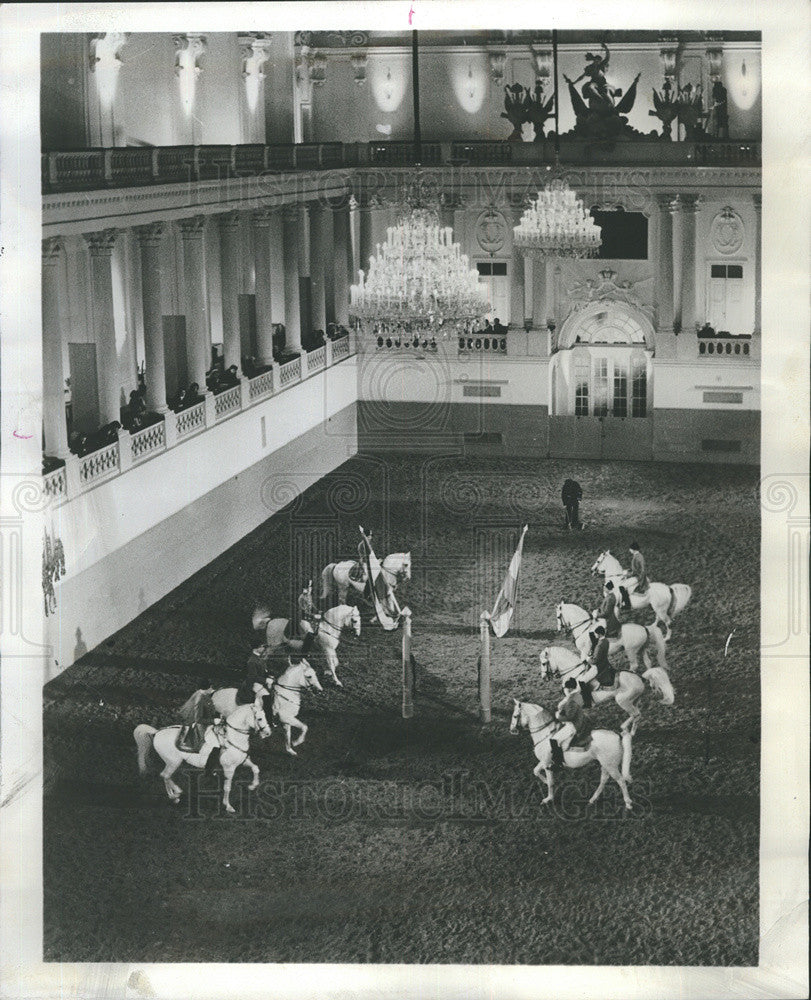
144	737
680	595
626	755
660	682
326	580
260	618
657	641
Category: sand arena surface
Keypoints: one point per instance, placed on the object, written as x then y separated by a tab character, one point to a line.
425	841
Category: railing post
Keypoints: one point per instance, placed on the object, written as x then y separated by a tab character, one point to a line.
124	450
170	428
108	166
155	158
210	409
244	392
73	479
303	365
484	667
328	353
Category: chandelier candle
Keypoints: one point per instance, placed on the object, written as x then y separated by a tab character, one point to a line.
419	281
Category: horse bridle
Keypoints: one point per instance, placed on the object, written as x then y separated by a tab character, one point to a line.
571	628
287	687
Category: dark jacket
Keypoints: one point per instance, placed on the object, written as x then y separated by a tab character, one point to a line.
605	672
571	709
608	610
638	570
571	493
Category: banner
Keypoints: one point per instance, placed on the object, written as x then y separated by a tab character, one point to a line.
505	602
378	588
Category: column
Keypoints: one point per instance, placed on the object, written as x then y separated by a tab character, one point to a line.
291	221
529	294
516	280
365	237
53	403
149	240
229	282
322	254
198	336
664	279
757	198
539	308
689	210
305	282
263	264
342	242
100	246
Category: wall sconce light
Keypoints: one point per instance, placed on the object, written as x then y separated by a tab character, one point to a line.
469	82
254	50
105	62
189	50
744	82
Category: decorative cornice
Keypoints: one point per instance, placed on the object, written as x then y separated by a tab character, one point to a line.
331	39
196	44
497	60
100	244
359	61
690	203
228	221
264	217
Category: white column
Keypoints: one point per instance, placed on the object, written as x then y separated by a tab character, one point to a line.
291	221
757	198
365	237
100	246
53	403
664	283
689	211
320	266
342	264
517	280
539	307
150	239
529	293
229	283
198	336
305	291
263	264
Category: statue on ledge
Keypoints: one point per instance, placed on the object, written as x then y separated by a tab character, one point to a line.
600	112
522	107
514	110
666	109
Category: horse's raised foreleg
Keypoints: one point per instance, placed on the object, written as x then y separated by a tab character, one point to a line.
255	783
303	729
172	790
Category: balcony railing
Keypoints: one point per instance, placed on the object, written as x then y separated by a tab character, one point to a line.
724	347
79	474
91	169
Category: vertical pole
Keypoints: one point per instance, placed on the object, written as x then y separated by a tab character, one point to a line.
484	667
415	86
408	672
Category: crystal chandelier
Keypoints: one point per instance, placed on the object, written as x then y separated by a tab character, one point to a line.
419	281
556	224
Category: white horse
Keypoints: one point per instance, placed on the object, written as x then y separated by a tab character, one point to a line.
287	700
666	601
556	661
611	751
233	738
634	639
327	638
225	699
395	568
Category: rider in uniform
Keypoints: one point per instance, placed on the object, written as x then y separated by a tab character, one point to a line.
638	570
600	668
308	613
195	714
575	724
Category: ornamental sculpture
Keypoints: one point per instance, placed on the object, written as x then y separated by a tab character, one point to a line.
600	108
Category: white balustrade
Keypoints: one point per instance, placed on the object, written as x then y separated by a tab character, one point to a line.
290	372
227	402
261	386
478	344
340	348
99	465
55	484
316	359
147	441
191	420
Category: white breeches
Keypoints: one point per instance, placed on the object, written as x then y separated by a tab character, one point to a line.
563	737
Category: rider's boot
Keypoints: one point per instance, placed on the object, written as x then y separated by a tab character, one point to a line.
307	643
585	690
557	755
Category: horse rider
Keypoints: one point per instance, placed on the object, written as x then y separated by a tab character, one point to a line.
608	611
572	494
309	614
600	668
195	714
257	676
358	571
575	724
638	570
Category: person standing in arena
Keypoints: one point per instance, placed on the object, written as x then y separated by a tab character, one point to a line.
572	494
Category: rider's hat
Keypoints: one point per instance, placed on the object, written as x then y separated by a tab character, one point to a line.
634	546
570	684
609	585
600	630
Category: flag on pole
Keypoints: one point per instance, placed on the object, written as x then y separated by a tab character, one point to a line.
378	587
505	602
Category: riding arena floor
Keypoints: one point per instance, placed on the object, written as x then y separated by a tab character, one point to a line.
425	840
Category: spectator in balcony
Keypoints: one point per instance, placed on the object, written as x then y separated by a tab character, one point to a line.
230	377
498	329
178	401
213	380
193	396
718	122
279	339
134	416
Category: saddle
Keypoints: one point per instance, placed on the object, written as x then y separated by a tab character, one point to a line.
357	573
196	738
